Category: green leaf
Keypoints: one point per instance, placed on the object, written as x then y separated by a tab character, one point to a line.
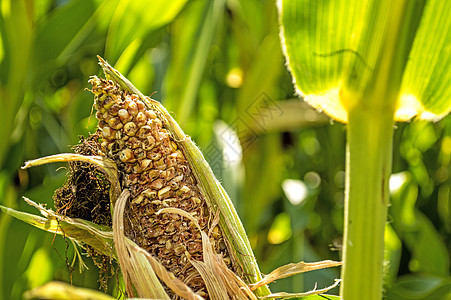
125	32
191	47
99	237
420	287
65	291
339	51
426	87
57	32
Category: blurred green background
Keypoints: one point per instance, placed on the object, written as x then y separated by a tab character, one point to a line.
218	67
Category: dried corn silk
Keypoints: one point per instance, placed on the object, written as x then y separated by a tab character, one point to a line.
155	171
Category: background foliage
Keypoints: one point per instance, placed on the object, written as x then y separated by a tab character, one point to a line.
218	67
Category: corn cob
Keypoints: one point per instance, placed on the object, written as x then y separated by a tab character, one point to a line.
155	171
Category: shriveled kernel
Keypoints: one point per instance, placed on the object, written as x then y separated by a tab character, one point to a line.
148	143
169	202
154	174
126	155
140	119
150	114
130	129
184	189
119	135
139	153
154	156
178	178
107	132
179	249
156	202
160	164
163	192
168	174
137	168
133	142
132	108
108	103
104	144
146	164
114	109
168	245
141	105
196	200
138	199
115	146
149	194
101	97
124	115
115	123
144	132
173	185
157	184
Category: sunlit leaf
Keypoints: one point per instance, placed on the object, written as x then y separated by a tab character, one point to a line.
336	60
99	237
125	32
65	291
40	269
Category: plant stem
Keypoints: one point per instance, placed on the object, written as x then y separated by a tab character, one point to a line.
368	167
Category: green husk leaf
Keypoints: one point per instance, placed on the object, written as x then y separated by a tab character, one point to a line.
104	164
98	237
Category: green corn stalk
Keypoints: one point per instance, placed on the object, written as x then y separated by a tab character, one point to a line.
369	64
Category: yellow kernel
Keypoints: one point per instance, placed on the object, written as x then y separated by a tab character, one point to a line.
130	129
115	123
124	115
126	155
140	119
150	114
163	192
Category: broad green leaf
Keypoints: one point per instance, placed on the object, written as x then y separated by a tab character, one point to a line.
341	52
132	20
58	31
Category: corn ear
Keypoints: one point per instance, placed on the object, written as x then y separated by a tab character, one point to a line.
210	188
